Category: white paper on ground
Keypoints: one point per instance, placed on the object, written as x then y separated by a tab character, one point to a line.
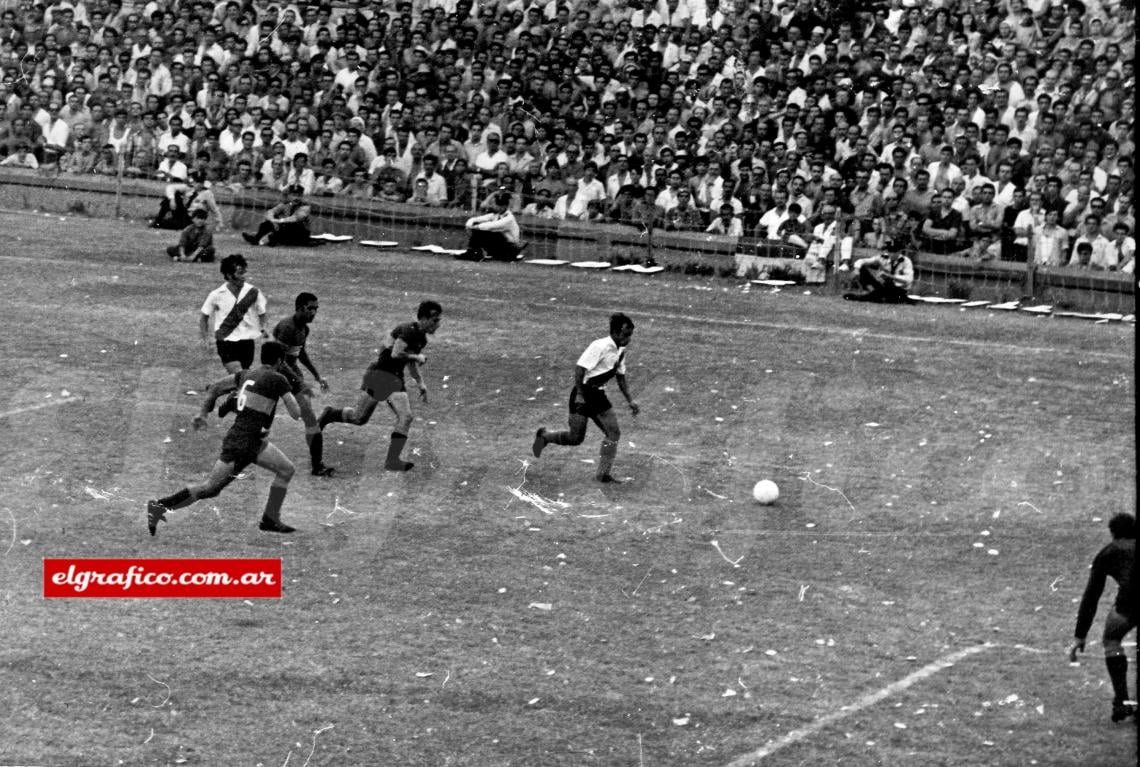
937	300
546	261
592	264
379	243
639	269
774	283
332	237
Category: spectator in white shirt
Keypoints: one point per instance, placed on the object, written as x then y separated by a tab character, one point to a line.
589	189
493	235
1051	241
1100	255
1125	247
726	223
171	168
56	135
436	191
175	135
300	174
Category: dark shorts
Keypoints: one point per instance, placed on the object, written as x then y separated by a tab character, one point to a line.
296	380
241	451
1117	625
381	384
237	351
588	401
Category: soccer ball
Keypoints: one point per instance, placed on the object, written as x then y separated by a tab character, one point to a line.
766	492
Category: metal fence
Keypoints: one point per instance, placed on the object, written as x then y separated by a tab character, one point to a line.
692	253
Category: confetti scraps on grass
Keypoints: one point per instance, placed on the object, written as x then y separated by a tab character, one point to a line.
733	562
101	495
807	478
803	591
424	674
1030	505
149	737
168	691
715	495
1053	585
545	505
544	606
445	679
684	479
337	507
314	746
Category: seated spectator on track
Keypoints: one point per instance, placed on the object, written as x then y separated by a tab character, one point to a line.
885	278
179	199
495	235
286	223
196	243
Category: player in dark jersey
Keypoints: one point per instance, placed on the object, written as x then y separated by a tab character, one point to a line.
603	359
292	333
246	442
1115	561
385	379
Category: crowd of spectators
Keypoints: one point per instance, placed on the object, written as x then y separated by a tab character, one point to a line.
991	128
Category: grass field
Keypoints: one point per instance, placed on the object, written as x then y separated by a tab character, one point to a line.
945	478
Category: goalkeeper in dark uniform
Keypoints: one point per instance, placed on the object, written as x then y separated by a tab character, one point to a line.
246	442
385	381
603	359
292	333
1115	561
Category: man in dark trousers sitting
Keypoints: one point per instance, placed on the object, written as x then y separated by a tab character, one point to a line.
285	224
494	235
885	278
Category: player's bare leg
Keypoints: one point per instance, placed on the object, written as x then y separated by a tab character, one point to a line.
274	460
608	423
403	410
571	436
220	475
358	415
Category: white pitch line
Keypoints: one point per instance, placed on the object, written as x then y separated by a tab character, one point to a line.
41	406
795	736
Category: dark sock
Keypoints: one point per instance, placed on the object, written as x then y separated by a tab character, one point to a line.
316	449
273	505
1118	673
178	500
395	447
